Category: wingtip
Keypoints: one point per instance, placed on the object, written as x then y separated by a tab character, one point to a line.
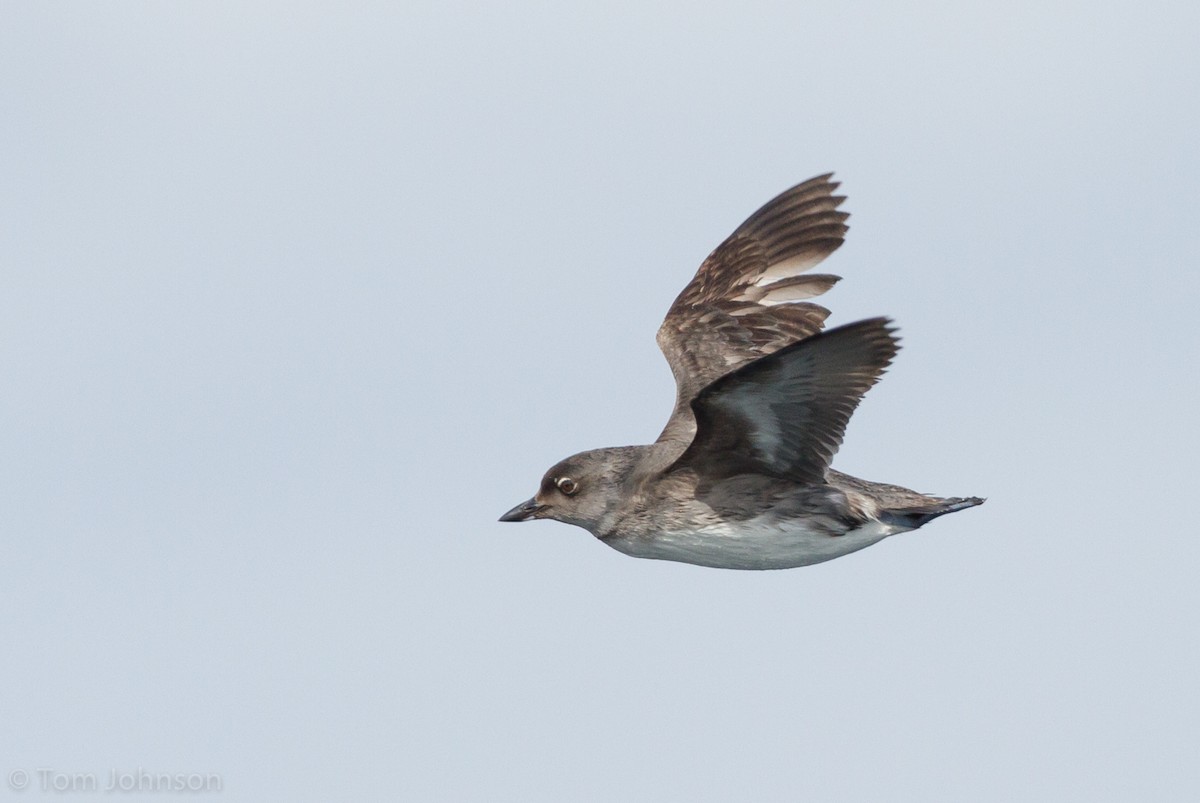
883	323
825	181
872	328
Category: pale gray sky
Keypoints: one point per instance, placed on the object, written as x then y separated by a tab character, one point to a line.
296	300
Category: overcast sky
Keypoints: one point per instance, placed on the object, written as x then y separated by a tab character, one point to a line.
296	301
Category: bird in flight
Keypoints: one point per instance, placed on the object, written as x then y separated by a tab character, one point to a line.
740	477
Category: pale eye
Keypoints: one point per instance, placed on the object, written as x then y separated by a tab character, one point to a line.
567	485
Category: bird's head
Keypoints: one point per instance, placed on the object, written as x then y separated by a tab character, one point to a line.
578	490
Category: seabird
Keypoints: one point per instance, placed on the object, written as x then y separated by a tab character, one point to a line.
740	477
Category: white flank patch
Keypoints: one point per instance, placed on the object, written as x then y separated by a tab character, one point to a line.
759	543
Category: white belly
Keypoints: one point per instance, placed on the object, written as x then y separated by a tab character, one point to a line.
754	544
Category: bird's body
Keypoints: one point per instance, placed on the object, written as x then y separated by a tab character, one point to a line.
740	476
743	522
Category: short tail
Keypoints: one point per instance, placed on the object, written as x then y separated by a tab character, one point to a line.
914	517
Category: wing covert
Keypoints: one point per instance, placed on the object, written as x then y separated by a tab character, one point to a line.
749	298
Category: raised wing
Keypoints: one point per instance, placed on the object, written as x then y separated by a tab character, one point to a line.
747	299
784	415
